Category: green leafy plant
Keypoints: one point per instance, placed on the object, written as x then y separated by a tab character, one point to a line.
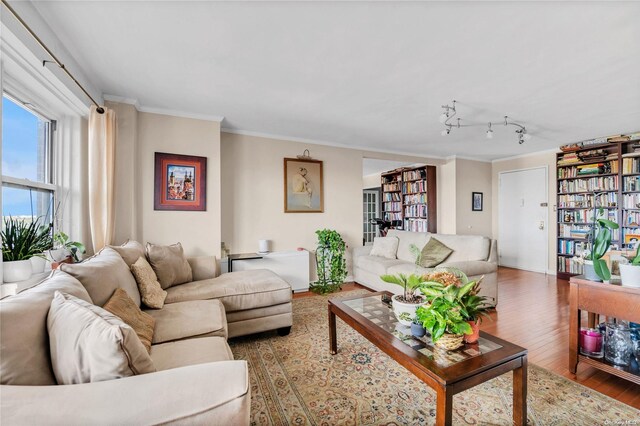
474	307
410	283
22	240
635	260
331	264
443	315
601	235
62	240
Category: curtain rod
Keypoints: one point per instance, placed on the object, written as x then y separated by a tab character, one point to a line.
99	109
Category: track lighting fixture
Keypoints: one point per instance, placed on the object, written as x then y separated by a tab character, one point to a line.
450	111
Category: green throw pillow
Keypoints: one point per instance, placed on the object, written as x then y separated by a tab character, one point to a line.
434	253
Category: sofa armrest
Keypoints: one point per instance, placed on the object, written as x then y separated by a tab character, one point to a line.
186	395
493	252
361	251
203	267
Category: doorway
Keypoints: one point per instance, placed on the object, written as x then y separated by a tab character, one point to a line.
371	210
523	218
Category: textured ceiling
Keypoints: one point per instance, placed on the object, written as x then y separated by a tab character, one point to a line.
370	74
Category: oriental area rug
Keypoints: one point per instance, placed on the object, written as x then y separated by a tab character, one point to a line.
295	381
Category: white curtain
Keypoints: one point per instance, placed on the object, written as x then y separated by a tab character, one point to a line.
102	142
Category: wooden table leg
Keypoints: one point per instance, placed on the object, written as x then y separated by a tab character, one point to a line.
574	327
333	344
592	320
444	407
520	394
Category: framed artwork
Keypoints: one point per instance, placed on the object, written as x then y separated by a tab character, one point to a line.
303	188
180	182
476	201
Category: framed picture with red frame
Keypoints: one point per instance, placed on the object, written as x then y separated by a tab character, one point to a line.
180	182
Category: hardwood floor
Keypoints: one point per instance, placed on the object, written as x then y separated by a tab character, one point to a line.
533	312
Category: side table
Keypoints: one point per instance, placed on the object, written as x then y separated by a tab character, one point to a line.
241	256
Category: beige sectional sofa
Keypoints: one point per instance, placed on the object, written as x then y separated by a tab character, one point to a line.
475	255
196	382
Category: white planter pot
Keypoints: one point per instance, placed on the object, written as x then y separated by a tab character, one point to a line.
17	270
38	264
590	272
630	275
400	307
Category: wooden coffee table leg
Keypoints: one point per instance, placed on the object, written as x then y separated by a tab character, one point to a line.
333	344
520	393
444	406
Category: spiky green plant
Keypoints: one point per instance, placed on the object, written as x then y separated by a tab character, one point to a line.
22	240
410	283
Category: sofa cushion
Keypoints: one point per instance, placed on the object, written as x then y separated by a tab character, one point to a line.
169	264
472	267
24	347
124	308
378	265
151	292
236	290
129	251
385	247
465	247
170	355
181	320
102	273
89	344
434	253
405	239
407	268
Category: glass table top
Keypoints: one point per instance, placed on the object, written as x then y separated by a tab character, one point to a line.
373	309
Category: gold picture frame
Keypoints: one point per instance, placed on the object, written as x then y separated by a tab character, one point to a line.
303	186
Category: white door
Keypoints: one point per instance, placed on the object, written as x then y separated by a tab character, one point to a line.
523	219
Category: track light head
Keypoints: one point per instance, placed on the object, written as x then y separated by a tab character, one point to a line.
445	132
443	117
489	132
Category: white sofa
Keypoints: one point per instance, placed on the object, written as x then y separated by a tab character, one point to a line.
474	255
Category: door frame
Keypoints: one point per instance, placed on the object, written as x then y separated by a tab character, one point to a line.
547	223
378	191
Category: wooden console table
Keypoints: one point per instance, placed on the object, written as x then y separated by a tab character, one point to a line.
610	300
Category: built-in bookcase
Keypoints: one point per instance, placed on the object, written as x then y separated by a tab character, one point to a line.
605	175
409	198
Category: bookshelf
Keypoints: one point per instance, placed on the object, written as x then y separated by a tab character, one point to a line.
612	171
409	198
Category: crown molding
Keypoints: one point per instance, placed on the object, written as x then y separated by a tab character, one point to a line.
162	111
530	154
462	157
438	159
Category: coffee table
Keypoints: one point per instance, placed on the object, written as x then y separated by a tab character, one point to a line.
447	372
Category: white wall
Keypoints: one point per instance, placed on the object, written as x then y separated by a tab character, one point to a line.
371	181
546	159
473	176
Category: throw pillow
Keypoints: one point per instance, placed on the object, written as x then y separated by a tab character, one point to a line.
124	308
385	247
129	251
89	344
151	292
434	253
169	264
101	274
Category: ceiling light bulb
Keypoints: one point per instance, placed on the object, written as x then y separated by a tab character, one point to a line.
489	134
443	117
445	132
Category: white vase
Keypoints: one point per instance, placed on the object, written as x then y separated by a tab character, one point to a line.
400	307
630	275
17	270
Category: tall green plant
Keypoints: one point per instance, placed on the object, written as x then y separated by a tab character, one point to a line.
601	235
331	264
22	240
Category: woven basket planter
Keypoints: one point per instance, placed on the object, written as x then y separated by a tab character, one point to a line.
450	342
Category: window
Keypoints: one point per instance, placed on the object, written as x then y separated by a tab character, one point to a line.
27	188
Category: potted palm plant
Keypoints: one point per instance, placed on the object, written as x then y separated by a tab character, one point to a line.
408	301
22	240
630	273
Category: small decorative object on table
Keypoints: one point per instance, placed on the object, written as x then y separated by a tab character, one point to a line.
417	329
591	342
331	265
630	273
618	349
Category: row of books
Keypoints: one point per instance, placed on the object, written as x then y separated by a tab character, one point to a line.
569	159
415	199
609	199
416	210
585	216
630	165
572	247
567	264
416	225
631	201
631	218
391	187
418	186
631	183
588	169
589	184
389	216
414	175
581	231
391	196
392	206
